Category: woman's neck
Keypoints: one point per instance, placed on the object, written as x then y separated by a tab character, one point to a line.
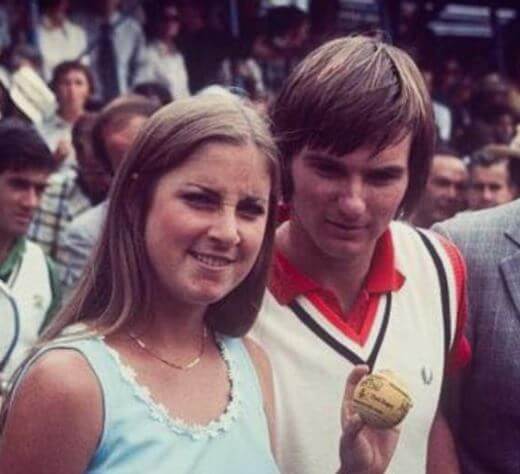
172	325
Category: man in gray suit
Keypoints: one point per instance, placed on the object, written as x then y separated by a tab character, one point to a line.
486	397
114	131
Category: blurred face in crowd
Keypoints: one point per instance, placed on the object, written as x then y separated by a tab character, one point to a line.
341	205
451	73
119	136
504	128
20	195
170	23
428	79
445	193
60	8
72	90
207	221
95	178
107	7
490	186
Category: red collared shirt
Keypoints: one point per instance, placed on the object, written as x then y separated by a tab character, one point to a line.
287	282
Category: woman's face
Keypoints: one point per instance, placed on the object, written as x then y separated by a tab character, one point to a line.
206	223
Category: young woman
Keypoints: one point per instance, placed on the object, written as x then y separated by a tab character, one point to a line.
143	370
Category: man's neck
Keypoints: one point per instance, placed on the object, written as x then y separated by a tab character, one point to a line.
419	219
6	245
108	16
343	277
56	19
70	115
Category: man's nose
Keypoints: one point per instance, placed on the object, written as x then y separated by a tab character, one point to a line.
352	199
31	198
488	195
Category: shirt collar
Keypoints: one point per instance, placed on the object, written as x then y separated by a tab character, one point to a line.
48	24
13	257
286	282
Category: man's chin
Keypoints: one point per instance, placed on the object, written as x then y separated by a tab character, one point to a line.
19	230
444	215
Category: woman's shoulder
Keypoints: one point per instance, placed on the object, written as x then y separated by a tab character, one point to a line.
61	373
61	397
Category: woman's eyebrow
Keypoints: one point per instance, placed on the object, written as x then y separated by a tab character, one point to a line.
204	188
255	199
214	192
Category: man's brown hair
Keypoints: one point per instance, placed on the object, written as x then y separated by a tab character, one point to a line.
353	92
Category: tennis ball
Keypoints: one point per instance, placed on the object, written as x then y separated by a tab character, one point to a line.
381	399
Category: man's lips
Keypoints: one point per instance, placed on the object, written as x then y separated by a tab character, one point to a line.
23	217
346	226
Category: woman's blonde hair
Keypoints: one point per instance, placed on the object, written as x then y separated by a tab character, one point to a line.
117	284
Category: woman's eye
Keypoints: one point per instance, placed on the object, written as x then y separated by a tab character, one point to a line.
251	209
200	199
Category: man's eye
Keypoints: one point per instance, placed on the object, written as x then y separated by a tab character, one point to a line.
383	177
40	190
18	184
326	169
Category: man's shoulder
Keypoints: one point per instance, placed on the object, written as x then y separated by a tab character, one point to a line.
91	216
128	24
477	225
484	237
36	256
61	183
88	222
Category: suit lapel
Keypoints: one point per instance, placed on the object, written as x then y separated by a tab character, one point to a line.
510	266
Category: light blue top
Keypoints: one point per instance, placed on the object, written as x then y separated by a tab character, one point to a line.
140	437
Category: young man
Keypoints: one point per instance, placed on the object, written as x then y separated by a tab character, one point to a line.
28	293
72	83
349	285
445	193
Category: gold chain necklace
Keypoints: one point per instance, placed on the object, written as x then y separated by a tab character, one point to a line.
173	365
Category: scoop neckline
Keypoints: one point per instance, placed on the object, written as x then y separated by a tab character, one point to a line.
161	414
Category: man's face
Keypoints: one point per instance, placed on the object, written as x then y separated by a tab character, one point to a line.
94	175
20	195
72	90
490	186
504	129
445	193
107	7
119	139
342	204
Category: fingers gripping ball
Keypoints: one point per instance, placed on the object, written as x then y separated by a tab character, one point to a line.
381	399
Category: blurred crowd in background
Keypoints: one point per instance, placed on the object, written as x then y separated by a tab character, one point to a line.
81	72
